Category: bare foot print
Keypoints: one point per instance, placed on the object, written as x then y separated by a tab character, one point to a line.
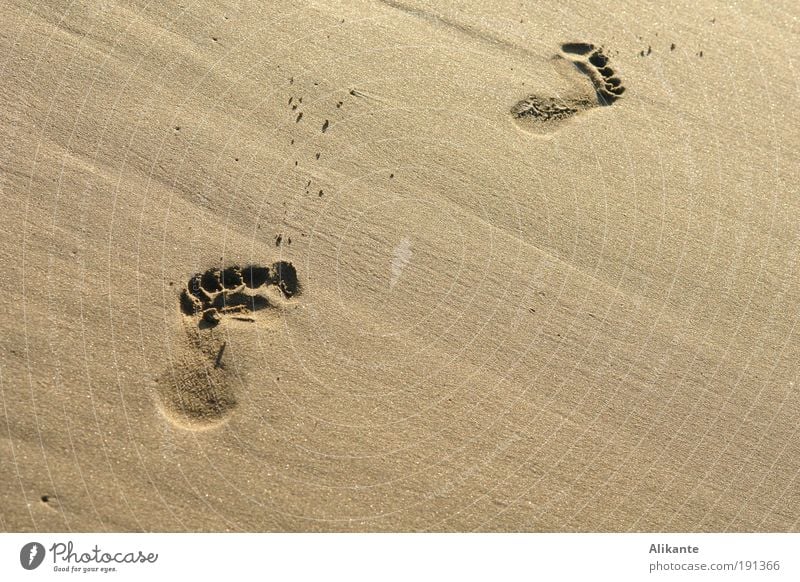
196	391
544	114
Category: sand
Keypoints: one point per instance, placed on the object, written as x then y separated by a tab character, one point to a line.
545	266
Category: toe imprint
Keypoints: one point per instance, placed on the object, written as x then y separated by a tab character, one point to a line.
595	65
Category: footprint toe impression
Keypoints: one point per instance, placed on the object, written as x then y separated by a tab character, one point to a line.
211	295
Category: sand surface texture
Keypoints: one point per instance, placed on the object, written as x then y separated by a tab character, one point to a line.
399	265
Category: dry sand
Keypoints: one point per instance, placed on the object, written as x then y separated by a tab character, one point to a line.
525	300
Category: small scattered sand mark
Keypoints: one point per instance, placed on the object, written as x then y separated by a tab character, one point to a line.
49	501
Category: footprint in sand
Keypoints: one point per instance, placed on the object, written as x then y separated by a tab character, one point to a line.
543	114
196	392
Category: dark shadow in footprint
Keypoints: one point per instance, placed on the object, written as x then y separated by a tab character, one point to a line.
190	305
209	282
231	278
577	48
598	59
255	277
284	275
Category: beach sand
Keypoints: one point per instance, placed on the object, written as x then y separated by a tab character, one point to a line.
387	265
